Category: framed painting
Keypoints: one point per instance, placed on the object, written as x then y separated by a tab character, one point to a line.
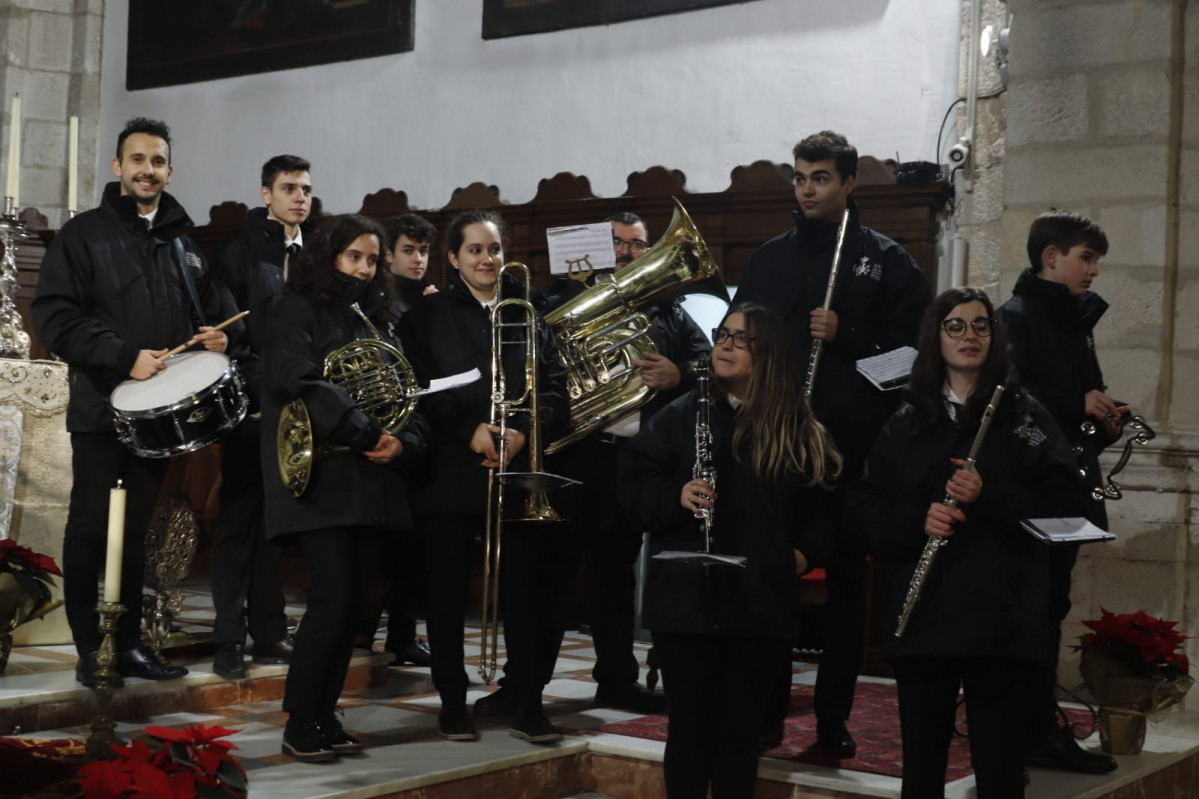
520	17
184	41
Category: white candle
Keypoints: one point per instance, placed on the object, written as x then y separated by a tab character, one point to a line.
73	166
116	544
14	152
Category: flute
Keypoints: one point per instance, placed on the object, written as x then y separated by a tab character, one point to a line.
817	344
925	564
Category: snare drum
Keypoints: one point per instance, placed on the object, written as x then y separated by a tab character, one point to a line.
195	400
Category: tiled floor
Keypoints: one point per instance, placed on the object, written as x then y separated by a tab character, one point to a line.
398	725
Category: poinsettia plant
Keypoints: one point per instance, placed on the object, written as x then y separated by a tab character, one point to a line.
191	763
1146	645
14	557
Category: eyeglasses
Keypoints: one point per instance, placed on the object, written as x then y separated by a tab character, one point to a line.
740	339
956	327
636	246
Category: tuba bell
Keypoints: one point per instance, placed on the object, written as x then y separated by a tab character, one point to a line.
603	330
381	381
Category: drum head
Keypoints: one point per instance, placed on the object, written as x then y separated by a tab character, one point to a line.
185	374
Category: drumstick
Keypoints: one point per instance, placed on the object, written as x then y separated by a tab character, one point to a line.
193	339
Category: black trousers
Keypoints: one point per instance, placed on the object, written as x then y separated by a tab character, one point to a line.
537	574
717	691
843	633
98	460
325	641
1042	695
396	583
246	568
996	698
609	547
447	539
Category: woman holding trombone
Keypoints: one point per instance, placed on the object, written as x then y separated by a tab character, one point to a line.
978	621
446	334
720	630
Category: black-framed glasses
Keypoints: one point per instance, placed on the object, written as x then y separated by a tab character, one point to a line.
741	339
956	327
636	246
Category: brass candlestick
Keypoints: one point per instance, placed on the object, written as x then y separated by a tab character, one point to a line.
104	735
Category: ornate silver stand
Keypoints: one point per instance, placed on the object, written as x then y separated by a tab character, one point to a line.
14	341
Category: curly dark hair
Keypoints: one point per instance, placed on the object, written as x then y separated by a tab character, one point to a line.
414	226
926	388
151	127
829	144
315	271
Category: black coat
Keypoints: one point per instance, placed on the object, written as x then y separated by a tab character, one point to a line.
407	294
448	333
108	288
987	594
1051	344
880	296
762	520
346	490
250	264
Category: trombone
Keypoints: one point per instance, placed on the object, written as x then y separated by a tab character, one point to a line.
536	482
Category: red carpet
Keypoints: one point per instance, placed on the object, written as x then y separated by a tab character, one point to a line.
874	724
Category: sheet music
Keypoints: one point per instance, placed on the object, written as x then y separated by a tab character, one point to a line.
581	249
890	370
446	383
691	556
1070	530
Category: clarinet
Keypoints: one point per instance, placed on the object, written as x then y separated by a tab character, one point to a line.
925	564
817	344
705	467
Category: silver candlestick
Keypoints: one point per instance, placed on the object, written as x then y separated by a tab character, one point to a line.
14	341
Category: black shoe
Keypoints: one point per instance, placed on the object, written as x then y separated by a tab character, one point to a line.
455	724
498	704
85	671
415	652
305	741
772	737
275	653
535	728
337	739
229	661
142	662
632	697
1060	751
835	739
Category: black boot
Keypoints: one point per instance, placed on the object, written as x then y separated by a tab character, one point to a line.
305	741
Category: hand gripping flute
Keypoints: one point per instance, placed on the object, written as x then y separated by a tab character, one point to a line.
925	564
818	344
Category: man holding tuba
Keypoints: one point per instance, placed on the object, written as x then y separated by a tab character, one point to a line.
877	303
610	544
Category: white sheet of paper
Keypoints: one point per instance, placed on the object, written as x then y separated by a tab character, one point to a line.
1069	530
890	370
574	248
446	383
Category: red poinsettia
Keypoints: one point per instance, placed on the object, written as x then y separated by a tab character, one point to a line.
13	555
1145	644
191	763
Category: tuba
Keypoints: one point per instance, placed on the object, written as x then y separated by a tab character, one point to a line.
603	330
380	380
506	404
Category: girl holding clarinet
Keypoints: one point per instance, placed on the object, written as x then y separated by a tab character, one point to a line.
721	630
977	622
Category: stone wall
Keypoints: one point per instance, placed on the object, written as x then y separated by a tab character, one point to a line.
1099	117
51	55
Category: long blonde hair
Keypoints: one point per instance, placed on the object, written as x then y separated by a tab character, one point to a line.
773	427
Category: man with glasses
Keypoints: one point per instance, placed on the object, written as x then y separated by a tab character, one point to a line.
1051	319
610	545
879	298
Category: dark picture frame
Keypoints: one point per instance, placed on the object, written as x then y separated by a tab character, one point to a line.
173	42
503	18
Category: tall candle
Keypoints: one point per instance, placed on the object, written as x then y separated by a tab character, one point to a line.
73	166
14	152
116	544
